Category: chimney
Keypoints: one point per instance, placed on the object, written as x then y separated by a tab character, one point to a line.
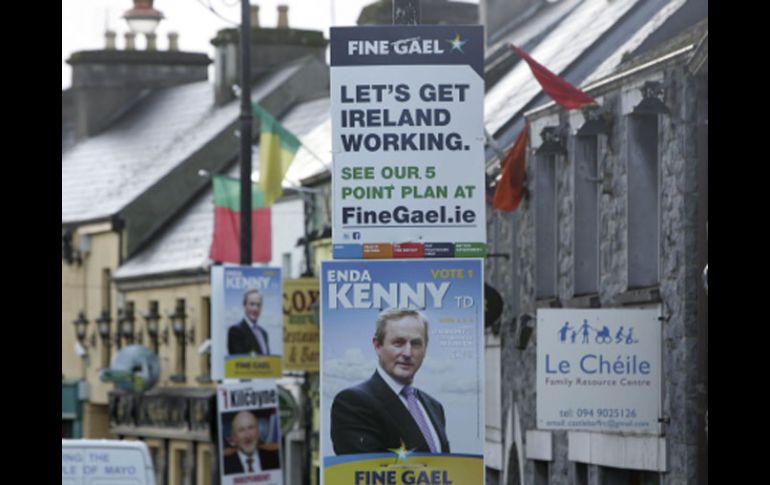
151	41
130	44
271	48
173	41
106	82
109	40
283	16
255	16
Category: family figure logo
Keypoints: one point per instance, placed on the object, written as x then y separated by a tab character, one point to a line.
584	332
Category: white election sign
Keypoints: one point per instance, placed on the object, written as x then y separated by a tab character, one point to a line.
599	370
408	139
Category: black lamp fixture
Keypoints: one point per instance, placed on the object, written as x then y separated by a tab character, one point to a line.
597	122
143	19
526	325
651	104
81	326
152	317
552	143
126	322
178	323
103	323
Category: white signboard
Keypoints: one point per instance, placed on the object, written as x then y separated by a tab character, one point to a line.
599	370
408	141
249	433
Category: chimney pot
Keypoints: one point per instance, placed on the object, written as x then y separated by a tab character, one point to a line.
151	42
130	44
173	41
109	40
283	16
254	16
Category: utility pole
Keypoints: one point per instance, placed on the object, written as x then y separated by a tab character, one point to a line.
406	12
246	118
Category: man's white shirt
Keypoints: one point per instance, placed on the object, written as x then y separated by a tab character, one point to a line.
255	466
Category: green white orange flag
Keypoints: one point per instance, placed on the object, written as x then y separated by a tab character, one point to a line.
277	147
226	243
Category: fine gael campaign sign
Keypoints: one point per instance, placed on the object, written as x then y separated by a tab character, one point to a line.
408	142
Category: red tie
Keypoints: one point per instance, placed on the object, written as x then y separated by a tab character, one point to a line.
250	461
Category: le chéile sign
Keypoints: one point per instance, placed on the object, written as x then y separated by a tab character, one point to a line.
408	141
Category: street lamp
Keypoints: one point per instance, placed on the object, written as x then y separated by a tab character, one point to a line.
143	19
103	326
178	323
126	322
552	143
81	326
651	104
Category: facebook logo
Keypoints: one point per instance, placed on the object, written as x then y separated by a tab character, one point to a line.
356	236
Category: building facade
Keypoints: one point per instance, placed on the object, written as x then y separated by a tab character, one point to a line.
614	219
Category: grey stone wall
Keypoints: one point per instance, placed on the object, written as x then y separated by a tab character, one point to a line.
678	267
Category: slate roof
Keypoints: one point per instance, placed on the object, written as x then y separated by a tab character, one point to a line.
183	246
613	61
119	164
557	51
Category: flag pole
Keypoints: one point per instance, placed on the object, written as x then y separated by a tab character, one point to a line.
246	121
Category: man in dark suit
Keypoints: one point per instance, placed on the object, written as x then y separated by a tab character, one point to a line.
247	336
385	411
248	457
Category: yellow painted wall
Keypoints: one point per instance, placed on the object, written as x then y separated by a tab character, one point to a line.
96	421
84	289
168	352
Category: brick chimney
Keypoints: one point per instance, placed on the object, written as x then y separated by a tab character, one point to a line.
270	48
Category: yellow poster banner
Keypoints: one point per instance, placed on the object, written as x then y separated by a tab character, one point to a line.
398	469
300	327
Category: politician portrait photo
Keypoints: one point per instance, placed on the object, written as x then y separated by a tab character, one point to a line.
387	410
246	336
247	446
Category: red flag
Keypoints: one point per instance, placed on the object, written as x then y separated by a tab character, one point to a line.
226	245
511	186
564	93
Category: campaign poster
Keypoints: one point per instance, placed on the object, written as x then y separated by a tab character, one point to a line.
300	325
599	370
249	433
246	322
402	371
408	142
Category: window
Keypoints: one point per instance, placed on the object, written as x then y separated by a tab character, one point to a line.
618	476
643	197
586	216
179	327
106	309
581	474
545	226
541	472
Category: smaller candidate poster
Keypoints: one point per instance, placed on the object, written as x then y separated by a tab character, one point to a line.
300	325
246	322
402	372
599	370
249	433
